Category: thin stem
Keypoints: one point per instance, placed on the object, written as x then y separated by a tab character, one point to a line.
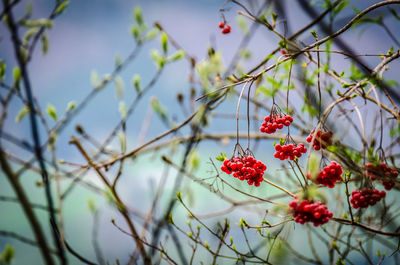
237	112
279	187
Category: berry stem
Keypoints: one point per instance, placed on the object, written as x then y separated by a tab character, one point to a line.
348	200
237	112
279	187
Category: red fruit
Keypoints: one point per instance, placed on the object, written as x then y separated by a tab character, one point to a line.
290	151
245	168
226	30
330	175
274	122
321	139
366	197
309	211
221	25
382	172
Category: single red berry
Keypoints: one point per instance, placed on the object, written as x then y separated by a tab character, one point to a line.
226	30
221	25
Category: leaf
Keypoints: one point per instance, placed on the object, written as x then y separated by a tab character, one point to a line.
164	42
118	60
91	205
137	14
158	108
242	25
16	76
122	140
51	111
94	79
342	5
7	255
119	87
193	160
21	114
2	70
136	83
71	105
61	7
221	157
177	56
45	43
152	34
122	110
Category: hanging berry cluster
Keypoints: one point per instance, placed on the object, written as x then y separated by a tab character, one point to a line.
366	197
383	172
289	151
330	175
321	139
225	28
273	122
245	168
309	211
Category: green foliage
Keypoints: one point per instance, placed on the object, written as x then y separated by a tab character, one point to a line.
122	109
221	157
7	256
61	8
136	83
45	43
71	105
164	42
158	108
17	76
51	111
242	25
21	114
2	70
119	87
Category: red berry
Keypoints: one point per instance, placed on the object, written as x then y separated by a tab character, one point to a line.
226	30
382	172
221	25
366	197
321	139
245	168
309	211
330	175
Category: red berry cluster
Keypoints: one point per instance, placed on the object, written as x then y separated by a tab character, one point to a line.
387	173
225	28
309	211
330	175
321	139
289	151
274	122
245	168
366	197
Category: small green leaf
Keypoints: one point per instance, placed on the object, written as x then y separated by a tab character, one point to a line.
137	13
177	56
91	205
51	111
164	42
71	105
152	34
136	83
122	110
221	157
135	32
61	7
94	79
21	114
17	76
242	25
119	87
158	108
45	43
2	70
118	60
7	255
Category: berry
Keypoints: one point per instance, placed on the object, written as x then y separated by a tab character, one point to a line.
321	139
226	30
274	122
366	197
309	211
383	172
245	168
289	151
330	175
221	25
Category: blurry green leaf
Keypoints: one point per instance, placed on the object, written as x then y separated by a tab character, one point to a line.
91	205
51	111
136	83
158	108
17	76
21	114
242	25
94	79
28	9
152	34
119	87
42	22
52	140
62	7
29	34
71	105
118	60
177	56
221	157
164	42
342	5
7	255
122	140
245	53
45	43
193	160
122	110
135	32
2	70
138	15
313	165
